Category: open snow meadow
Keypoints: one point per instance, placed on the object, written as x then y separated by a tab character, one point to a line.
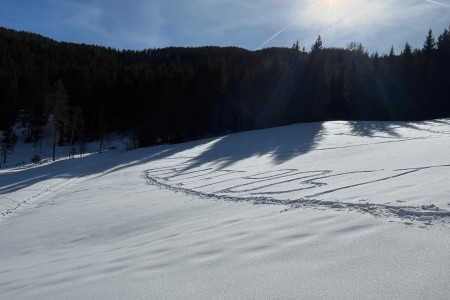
333	210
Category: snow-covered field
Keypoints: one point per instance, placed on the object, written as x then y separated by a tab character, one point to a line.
336	210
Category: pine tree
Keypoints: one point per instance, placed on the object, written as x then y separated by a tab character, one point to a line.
430	44
407	51
317	45
391	53
8	140
75	121
296	46
57	108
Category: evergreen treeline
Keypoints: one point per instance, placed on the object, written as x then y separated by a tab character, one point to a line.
77	92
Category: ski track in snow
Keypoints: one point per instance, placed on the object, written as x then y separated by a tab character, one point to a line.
47	189
275	187
290	186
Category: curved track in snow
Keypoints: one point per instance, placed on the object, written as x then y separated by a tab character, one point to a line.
296	188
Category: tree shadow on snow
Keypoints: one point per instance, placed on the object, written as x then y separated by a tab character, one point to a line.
280	144
372	128
94	164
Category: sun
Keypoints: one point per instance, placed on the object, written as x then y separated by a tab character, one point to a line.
333	16
335	2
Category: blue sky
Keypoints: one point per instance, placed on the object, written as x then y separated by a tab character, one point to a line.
139	24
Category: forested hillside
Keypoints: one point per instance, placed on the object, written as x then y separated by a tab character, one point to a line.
79	92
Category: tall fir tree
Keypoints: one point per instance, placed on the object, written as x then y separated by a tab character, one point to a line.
8	140
57	108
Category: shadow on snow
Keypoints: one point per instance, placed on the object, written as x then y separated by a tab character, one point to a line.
279	144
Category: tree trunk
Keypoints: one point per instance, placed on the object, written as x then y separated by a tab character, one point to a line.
101	144
55	133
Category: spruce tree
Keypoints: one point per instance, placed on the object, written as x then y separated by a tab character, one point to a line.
57	108
430	44
317	45
8	140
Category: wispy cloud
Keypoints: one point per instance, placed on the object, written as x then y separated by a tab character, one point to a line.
120	24
438	3
278	33
80	16
250	24
233	22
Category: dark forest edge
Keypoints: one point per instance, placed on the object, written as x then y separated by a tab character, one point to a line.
76	92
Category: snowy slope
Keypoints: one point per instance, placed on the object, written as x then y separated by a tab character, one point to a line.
346	210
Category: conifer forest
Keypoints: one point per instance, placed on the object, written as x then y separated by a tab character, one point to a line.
84	92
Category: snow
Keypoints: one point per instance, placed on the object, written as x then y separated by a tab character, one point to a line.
342	210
